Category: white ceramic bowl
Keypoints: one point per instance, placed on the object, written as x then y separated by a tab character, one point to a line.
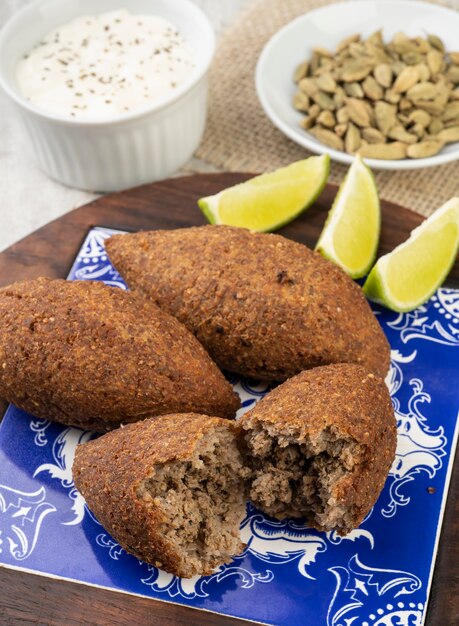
121	151
326	27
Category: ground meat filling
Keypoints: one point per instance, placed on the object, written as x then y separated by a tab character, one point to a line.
203	499
291	479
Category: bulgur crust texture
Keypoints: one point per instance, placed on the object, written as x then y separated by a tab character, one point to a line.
262	305
116	474
325	440
171	490
94	356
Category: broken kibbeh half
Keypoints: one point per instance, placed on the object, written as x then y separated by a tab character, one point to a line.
320	446
262	305
172	490
169	490
93	356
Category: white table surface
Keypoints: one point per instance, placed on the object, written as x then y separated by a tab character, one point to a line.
28	198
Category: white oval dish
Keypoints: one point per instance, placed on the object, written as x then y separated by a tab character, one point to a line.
326	27
119	151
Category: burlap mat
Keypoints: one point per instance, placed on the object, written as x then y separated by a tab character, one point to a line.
239	136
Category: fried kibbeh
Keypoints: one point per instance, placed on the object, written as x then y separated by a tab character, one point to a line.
170	491
93	356
321	446
262	305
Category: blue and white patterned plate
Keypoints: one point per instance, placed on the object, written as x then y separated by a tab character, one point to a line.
288	574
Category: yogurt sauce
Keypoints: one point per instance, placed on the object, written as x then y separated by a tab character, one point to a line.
100	66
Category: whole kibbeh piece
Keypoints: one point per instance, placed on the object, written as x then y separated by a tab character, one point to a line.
169	490
320	446
262	305
95	357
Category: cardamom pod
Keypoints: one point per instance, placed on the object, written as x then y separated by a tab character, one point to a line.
385	116
420	117
343	57
325	64
324	101
301	71
376	38
434	60
356	70
418	130
344	43
340	129
358	112
322	52
424	149
326	82
398	67
449	135
342	115
327	137
371	112
453	74
308	86
314	63
436	42
431	106
435	126
352	139
405	105
372	89
444	91
356	50
451	111
408	77
301	101
327	119
400	43
308	122
400	134
339	96
423	71
422	91
376	53
383	74
403	119
387	151
353	90
422	45
392	97
452	122
373	135
412	57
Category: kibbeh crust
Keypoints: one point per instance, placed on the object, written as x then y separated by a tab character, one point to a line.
262	305
321	446
94	356
170	491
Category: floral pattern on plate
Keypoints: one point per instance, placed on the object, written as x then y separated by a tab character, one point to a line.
378	575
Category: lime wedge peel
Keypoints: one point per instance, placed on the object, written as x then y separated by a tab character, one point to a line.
409	275
269	201
350	236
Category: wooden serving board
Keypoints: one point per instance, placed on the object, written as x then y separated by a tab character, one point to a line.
50	251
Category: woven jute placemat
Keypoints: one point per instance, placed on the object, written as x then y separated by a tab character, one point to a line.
239	136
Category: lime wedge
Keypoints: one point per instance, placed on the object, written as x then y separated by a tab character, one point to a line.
412	272
351	233
269	201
